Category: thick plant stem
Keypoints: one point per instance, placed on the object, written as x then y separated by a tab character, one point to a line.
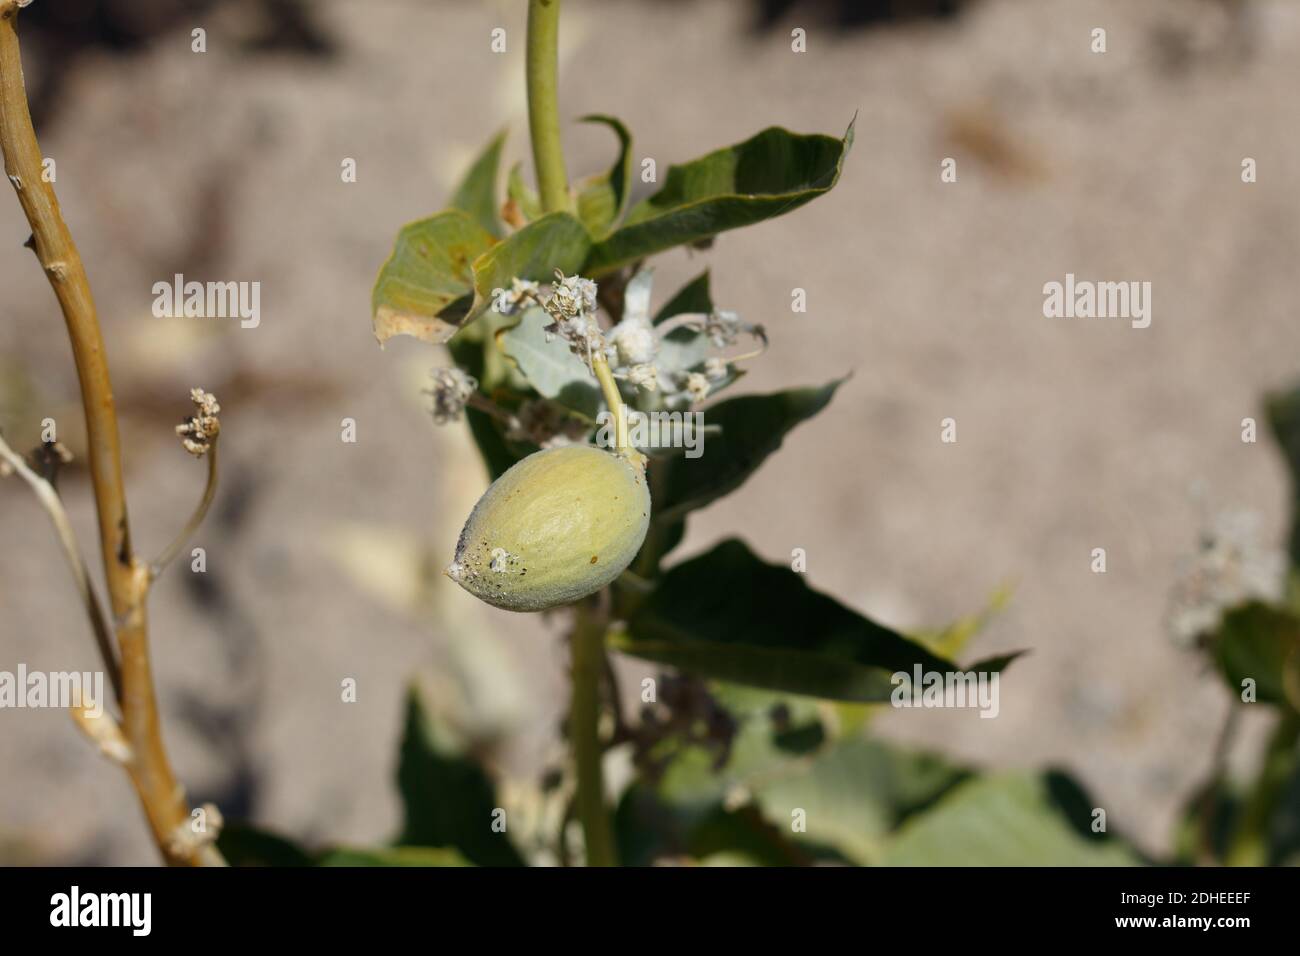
588	649
160	794
543	106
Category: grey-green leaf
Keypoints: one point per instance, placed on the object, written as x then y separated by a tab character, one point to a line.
856	792
1020	818
477	192
550	367
768	175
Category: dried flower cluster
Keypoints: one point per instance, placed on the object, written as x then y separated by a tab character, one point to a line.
451	391
1231	567
633	347
199	432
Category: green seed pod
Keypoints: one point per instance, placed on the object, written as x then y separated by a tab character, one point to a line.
556	527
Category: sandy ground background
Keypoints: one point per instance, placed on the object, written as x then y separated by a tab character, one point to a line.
1072	434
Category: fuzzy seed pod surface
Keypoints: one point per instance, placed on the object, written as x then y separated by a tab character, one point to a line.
557	526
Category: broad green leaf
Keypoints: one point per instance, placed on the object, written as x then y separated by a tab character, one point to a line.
443	270
477	192
245	845
1284	417
550	366
729	616
694	298
555	241
753	427
522	195
426	286
392	856
1010	819
1261	643
857	792
603	197
767	175
649	828
448	798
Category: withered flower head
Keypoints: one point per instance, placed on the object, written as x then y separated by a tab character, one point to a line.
200	430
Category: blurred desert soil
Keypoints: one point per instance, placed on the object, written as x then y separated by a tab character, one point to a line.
1071	434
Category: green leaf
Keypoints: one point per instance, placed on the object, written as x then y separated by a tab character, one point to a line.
448	798
244	845
648	828
522	195
477	192
694	298
555	241
730	616
767	175
753	427
426	286
443	269
603	197
856	793
393	856
951	640
551	367
1261	643
1284	417
1011	819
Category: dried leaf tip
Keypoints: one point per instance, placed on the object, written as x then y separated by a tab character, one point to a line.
199	432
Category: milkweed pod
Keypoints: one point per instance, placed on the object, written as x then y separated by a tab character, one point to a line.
557	526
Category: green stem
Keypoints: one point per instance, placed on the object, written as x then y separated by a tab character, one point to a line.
588	664
543	105
614	399
1249	846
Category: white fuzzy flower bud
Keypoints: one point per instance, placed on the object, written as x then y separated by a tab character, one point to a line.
697	386
644	376
635	342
